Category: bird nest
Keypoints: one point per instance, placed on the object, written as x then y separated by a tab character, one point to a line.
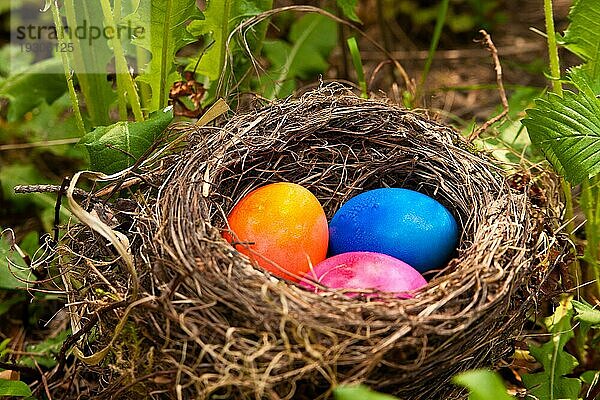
166	308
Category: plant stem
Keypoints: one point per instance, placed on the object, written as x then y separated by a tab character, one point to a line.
226	4
121	63
552	48
590	204
122	100
437	32
557	88
67	67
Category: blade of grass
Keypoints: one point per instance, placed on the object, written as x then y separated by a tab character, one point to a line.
121	64
122	100
590	204
67	67
435	40
358	66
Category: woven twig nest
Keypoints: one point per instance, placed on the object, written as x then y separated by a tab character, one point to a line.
206	322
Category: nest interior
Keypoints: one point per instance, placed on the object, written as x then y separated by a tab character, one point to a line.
215	326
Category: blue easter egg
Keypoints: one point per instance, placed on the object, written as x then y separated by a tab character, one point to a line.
402	223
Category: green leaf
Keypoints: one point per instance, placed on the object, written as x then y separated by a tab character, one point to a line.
118	146
14	388
46	351
348	8
586	313
358	65
482	385
3	347
221	18
581	77
359	392
39	83
90	59
590	377
582	37
30	243
551	383
310	42
164	23
567	129
12	268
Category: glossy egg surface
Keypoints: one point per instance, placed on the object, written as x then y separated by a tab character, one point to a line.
402	223
366	271
281	226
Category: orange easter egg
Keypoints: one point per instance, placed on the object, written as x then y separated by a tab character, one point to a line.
281	226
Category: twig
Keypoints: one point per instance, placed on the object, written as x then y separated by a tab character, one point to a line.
26	189
43	378
594	392
143	378
487	40
55	228
376	70
71	340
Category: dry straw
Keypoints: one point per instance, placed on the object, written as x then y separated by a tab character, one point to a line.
201	322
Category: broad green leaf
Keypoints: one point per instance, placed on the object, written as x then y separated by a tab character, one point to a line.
39	83
118	146
348	8
30	243
12	267
551	383
482	385
164	23
221	18
581	77
359	392
590	377
14	388
90	59
310	42
586	313
46	351
567	130
582	37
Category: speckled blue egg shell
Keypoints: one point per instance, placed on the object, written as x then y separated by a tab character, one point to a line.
402	223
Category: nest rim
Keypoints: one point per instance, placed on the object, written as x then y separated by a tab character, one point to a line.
180	231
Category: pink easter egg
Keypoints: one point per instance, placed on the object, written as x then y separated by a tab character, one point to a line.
365	271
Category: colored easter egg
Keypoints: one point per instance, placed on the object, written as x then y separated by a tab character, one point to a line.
366	271
402	223
281	226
